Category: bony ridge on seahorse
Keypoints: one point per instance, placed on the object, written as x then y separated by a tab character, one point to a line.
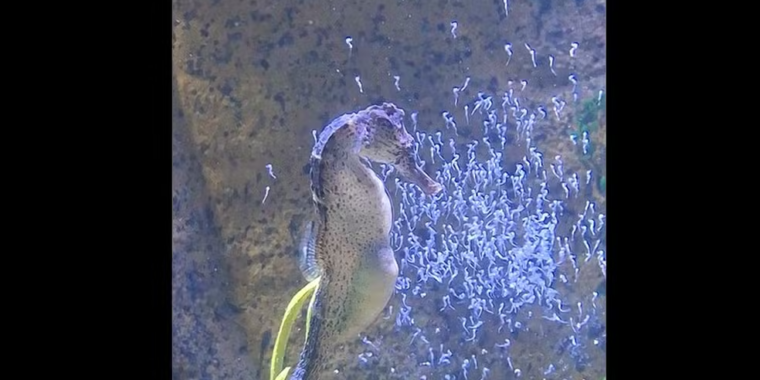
347	246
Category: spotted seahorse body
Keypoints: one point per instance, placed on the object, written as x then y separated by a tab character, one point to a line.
349	238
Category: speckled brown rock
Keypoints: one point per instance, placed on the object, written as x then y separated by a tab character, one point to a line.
207	340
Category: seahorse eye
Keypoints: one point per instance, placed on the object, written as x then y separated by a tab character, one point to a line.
383	122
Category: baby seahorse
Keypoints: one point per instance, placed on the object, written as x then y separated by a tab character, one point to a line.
348	244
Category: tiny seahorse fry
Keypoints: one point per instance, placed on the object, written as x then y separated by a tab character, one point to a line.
348	243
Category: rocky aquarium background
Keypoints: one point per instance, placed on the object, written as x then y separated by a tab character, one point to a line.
505	270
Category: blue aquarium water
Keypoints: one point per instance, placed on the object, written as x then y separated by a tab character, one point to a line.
502	274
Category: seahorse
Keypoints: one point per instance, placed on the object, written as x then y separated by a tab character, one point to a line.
348	243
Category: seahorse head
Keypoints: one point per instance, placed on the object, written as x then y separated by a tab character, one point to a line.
387	141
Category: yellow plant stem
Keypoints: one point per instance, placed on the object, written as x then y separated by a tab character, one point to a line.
276	372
